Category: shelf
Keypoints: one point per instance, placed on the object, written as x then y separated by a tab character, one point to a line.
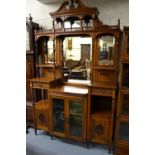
47	65
75	115
124	118
104	67
106	114
42	104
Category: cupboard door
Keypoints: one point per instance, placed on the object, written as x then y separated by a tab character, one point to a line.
42	119
58	109
75	118
100	130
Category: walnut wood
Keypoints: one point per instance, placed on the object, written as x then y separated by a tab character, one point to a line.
99	103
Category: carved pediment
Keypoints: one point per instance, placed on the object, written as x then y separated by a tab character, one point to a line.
74	7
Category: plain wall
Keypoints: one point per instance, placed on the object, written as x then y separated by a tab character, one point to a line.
109	11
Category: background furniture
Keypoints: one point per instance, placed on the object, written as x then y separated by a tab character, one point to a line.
122	119
30	67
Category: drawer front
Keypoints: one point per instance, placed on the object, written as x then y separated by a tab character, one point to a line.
100	128
39	85
101	91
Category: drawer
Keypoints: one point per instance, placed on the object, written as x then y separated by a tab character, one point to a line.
101	91
40	85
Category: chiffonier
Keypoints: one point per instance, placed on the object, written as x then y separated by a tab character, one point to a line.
75	88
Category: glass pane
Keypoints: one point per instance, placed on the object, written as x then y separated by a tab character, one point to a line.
75	108
125	78
124	131
106	50
125	104
75	123
58	115
75	118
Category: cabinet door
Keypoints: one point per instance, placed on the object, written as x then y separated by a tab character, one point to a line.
42	119
100	130
76	119
58	116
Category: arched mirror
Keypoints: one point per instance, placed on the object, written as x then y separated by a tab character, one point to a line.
45	50
77	56
106	44
50	52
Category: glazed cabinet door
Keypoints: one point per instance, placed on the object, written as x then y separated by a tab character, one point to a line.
58	117
76	119
68	117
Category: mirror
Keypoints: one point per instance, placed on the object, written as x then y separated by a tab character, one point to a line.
45	50
77	56
50	53
106	50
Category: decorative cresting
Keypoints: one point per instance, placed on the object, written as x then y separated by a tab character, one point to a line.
78	16
73	17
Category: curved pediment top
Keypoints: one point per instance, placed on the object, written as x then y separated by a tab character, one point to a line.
74	7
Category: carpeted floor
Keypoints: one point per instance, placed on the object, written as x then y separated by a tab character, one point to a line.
43	145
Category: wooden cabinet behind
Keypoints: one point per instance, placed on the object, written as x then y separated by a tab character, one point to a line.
30	67
122	118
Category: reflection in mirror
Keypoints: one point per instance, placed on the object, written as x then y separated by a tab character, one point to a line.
50	54
45	50
77	56
106	50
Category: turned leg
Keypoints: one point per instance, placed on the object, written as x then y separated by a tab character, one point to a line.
87	145
35	130
52	137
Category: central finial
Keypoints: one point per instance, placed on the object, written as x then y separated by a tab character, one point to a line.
73	3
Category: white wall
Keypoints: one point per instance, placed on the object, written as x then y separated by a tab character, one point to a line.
109	11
